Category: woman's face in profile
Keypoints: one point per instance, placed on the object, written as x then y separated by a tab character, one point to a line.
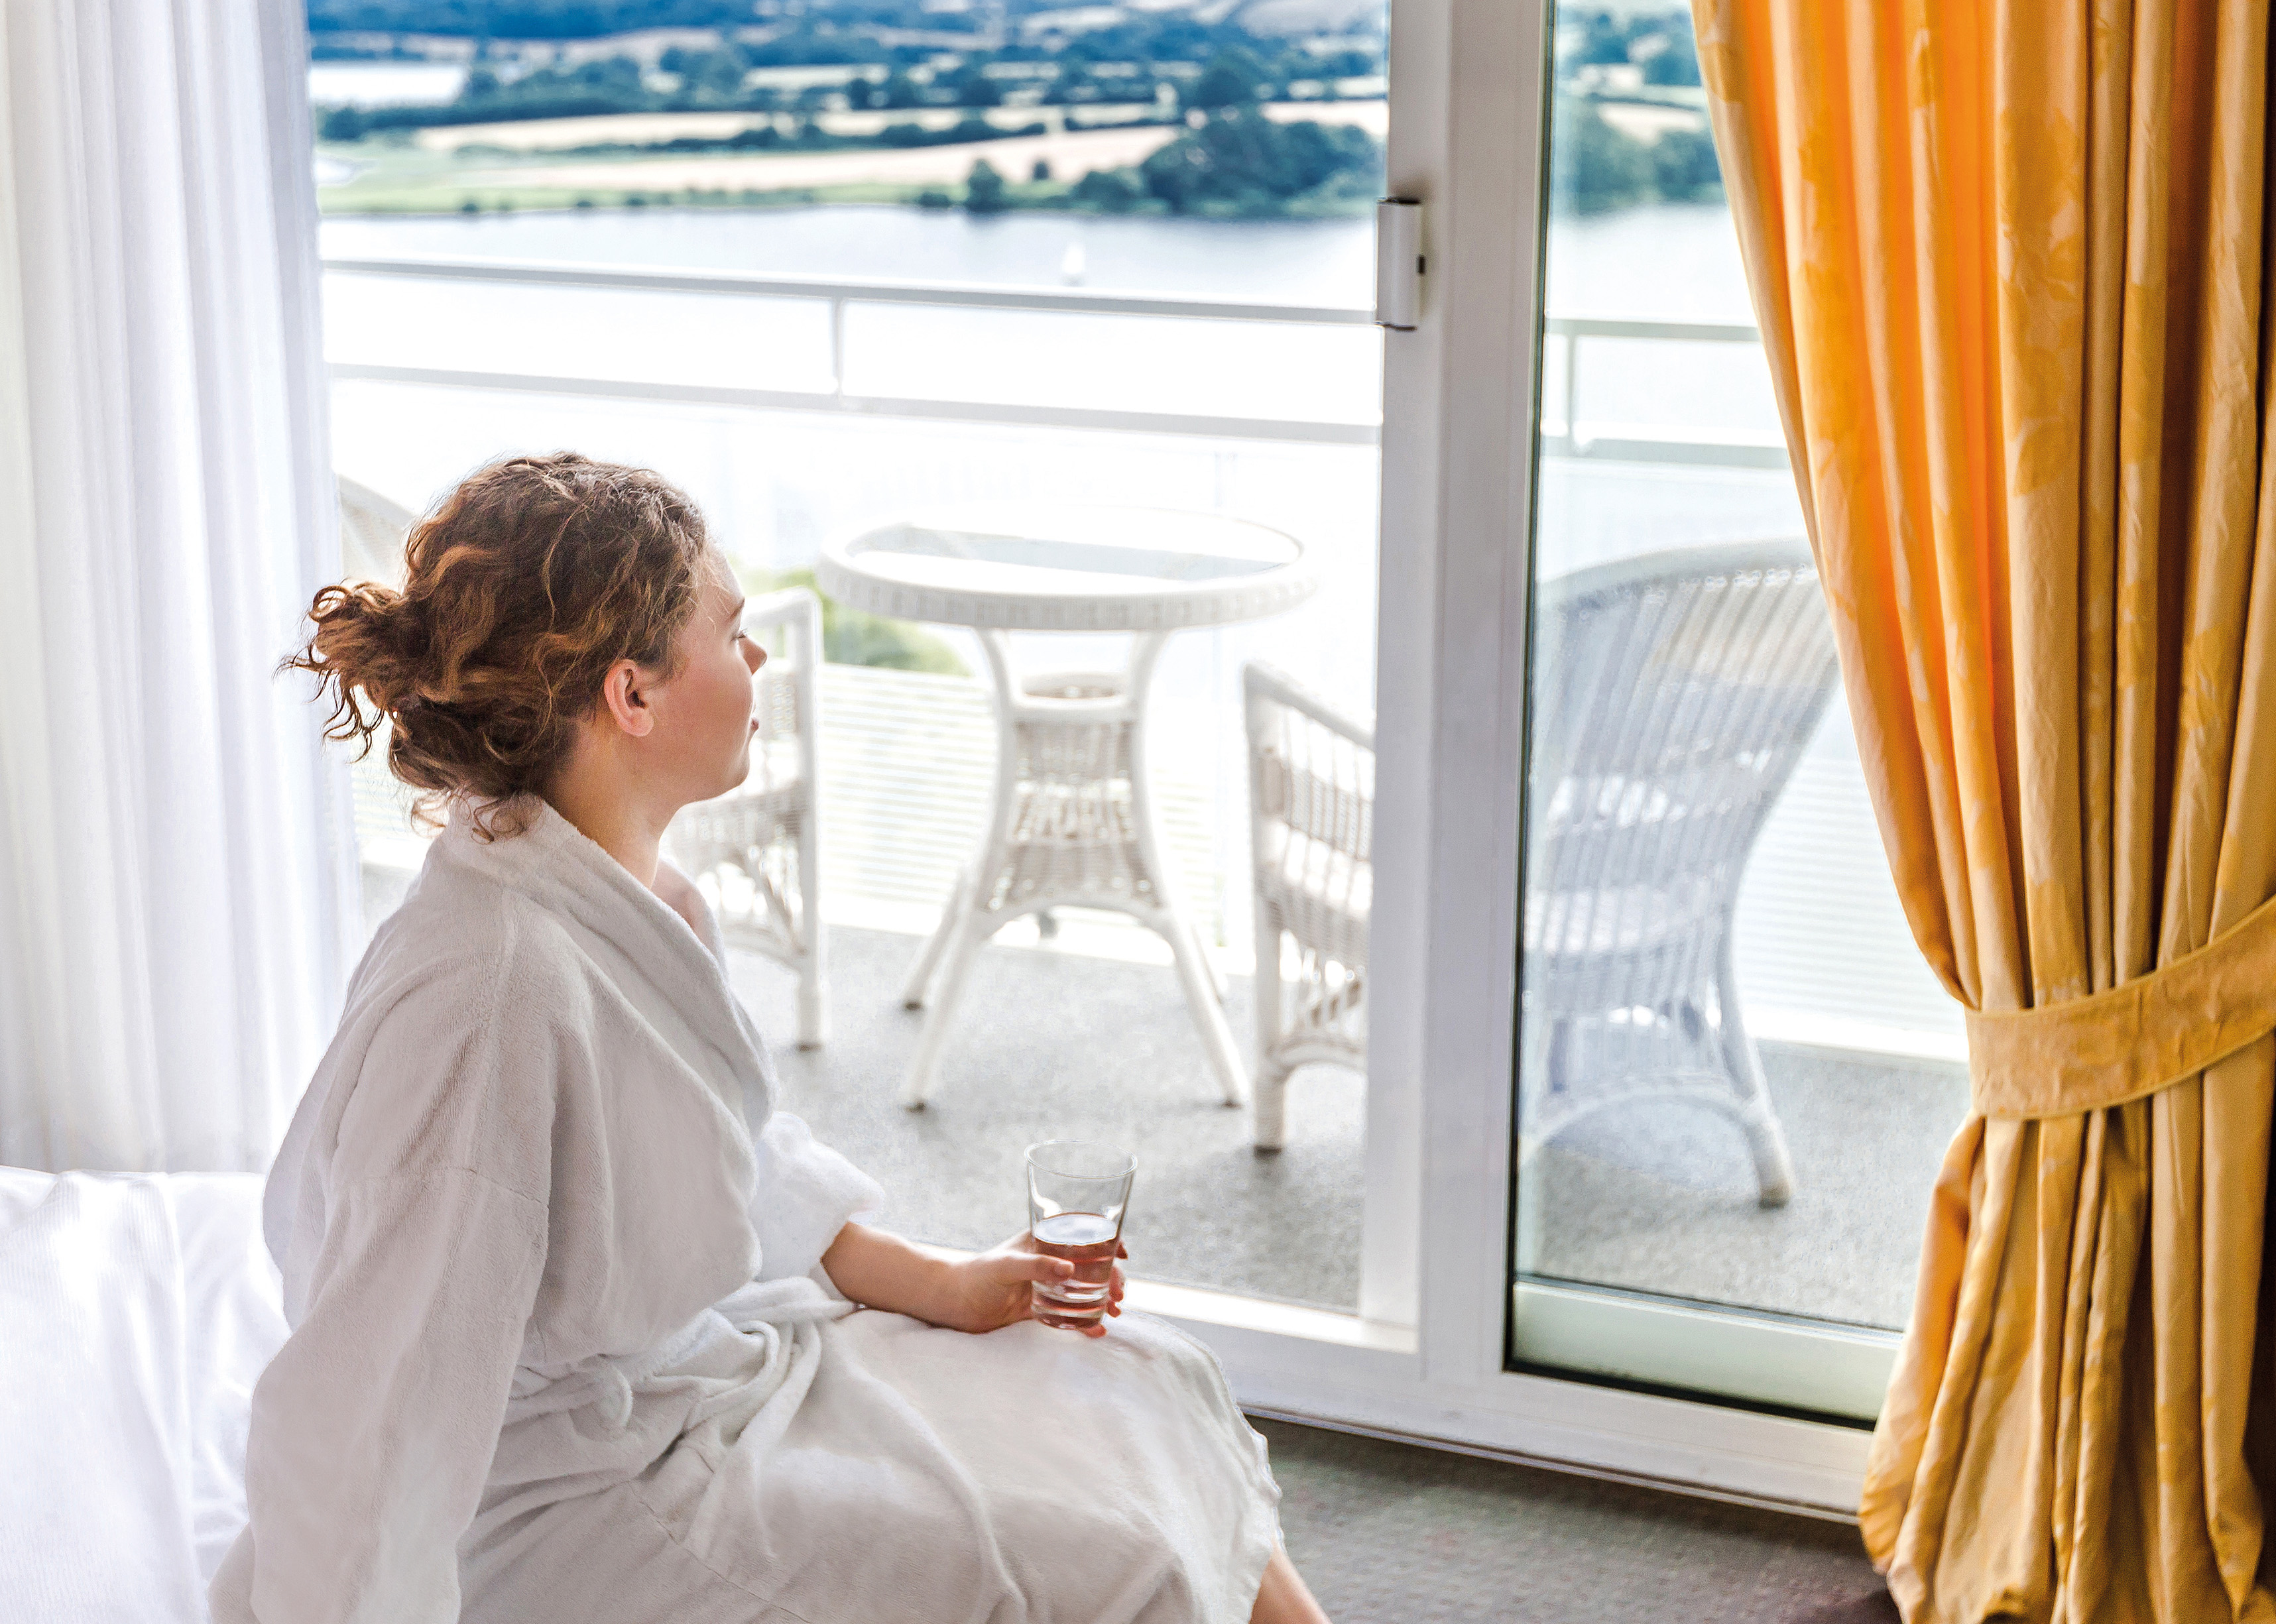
705	710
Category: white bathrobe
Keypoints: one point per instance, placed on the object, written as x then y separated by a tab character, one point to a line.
563	1350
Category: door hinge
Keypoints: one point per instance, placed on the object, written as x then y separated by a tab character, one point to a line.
1399	264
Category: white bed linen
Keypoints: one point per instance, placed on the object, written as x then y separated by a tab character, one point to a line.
136	1312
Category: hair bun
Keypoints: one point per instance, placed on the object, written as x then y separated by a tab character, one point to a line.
531	580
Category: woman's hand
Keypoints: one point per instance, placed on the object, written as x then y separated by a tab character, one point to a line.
978	1294
996	1288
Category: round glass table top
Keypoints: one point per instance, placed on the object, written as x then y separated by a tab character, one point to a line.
1069	569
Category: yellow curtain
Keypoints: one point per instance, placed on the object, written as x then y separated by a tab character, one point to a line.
2011	262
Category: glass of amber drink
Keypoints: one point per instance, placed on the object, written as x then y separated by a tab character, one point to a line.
1076	1193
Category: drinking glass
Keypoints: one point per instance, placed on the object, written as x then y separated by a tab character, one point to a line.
1076	1193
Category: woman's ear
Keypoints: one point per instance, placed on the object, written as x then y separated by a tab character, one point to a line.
623	690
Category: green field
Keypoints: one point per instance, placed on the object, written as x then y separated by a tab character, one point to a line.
393	174
442	187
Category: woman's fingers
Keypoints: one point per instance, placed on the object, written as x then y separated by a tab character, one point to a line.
1018	1262
1017	1259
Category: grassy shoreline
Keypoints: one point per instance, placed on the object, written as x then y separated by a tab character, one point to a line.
403	180
739	161
1018	196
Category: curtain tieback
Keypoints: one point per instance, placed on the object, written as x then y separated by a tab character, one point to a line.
2088	1053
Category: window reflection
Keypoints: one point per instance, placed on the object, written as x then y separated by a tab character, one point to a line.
1736	1076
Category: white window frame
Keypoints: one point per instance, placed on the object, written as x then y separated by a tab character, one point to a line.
1424	1358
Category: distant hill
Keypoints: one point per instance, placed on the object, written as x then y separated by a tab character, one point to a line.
586	20
526	20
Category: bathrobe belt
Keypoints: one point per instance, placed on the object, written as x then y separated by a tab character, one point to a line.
761	1312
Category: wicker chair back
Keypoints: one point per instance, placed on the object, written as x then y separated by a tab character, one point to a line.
1676	694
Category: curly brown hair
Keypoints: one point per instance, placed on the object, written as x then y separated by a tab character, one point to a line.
531	580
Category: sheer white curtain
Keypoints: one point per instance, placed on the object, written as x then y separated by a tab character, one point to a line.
177	901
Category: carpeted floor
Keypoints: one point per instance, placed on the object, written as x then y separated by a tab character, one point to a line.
1392	1534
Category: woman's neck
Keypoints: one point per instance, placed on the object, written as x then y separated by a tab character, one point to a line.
601	810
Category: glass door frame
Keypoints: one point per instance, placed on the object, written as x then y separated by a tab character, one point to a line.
1426	1356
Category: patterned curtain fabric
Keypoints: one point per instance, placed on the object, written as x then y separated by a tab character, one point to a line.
2011	262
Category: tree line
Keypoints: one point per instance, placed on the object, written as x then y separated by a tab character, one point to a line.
1660	44
1232	160
573	19
1595	165
712	80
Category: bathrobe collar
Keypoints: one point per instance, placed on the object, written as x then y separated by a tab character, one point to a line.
556	865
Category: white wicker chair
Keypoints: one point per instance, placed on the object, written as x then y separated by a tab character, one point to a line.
373	531
1312	800
754	851
1676	693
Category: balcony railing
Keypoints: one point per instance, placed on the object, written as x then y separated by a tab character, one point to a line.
1566	435
894	738
1562	436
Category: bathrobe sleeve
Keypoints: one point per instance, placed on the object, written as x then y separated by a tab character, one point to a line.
803	1195
372	1430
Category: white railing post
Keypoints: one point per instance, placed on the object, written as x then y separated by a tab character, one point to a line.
837	346
1573	392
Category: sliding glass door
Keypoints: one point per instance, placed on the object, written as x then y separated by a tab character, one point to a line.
1735	1077
831	267
1629	964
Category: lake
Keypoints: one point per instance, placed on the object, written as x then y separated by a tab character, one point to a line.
1667	259
384	84
1291	262
1676	261
1672	260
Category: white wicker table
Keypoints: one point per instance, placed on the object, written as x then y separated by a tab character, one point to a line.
1072	819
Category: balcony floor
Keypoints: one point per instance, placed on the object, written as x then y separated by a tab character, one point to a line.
1054	1045
1661	1197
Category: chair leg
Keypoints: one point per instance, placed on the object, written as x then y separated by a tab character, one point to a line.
924	1069
1201	997
813	966
1271	1084
1557	1063
1773	1167
813	1003
952	921
1269	1106
1546	1106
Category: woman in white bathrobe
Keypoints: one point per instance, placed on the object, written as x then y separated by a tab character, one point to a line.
581	1328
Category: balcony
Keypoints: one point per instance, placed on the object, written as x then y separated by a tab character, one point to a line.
797	409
